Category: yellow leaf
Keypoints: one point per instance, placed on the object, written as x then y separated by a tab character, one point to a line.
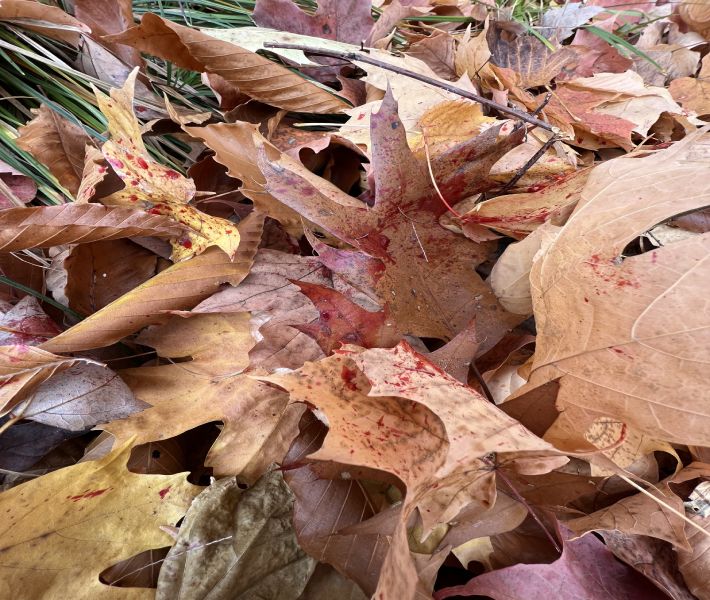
154	187
62	529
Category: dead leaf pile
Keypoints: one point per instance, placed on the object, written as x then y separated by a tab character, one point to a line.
352	333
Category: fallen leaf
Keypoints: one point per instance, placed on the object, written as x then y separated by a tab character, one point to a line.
100	272
617	342
17	190
86	508
57	143
25	443
510	277
437	51
153	187
107	17
179	287
220	550
258	422
45	226
557	24
343	321
24	368
585	571
402	223
51	21
344	20
79	398
517	215
254	75
696	15
26	324
534	63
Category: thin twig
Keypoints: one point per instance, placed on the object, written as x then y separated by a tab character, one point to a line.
482	383
526	167
538	110
362	57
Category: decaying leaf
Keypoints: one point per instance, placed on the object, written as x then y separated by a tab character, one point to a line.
237	544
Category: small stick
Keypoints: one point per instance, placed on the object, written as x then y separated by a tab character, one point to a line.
538	110
356	56
526	167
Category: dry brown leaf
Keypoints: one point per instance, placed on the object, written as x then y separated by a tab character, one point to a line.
622	335
86	509
394	411
57	143
100	272
696	15
79	398
533	62
179	287
45	226
437	51
259	423
517	215
254	75
24	368
106	17
47	20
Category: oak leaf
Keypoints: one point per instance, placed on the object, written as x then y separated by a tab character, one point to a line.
402	252
86	510
259	423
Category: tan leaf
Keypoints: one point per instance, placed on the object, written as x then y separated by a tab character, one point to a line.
245	522
696	15
517	215
45	226
24	368
156	188
623	335
80	398
58	144
254	75
105	17
259	423
694	564
86	509
47	20
179	287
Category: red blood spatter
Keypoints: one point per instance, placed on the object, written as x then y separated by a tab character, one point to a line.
186	244
117	164
133	198
164	492
140	109
155	211
134	182
654	257
87	495
348	376
129	156
102	169
227	231
170	174
141	163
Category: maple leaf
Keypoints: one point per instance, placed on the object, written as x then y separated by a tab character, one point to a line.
423	273
622	333
157	189
86	509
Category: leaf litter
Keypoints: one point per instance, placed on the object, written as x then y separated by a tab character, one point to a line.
336	328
